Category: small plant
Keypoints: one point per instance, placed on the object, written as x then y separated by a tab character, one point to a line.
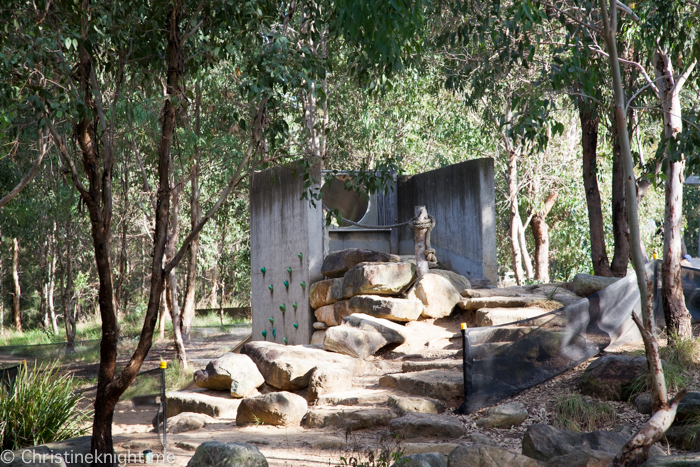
573	412
684	352
676	377
39	407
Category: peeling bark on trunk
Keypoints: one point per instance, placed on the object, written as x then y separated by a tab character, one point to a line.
540	231
619	215
16	291
589	142
675	312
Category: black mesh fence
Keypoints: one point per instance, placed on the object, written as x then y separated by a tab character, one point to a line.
504	360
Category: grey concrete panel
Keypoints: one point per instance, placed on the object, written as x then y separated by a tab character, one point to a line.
377	240
461	198
282	225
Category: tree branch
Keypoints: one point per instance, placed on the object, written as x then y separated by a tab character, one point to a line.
25	181
63	151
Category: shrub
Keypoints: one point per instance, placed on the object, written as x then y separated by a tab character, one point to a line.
573	412
39	407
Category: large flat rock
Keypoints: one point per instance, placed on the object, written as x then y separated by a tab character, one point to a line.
213	403
362	335
352	417
276	408
497	316
499	302
325	292
378	279
438	384
423	425
584	285
391	308
289	367
231	372
481	455
437	293
338	263
332	315
356	397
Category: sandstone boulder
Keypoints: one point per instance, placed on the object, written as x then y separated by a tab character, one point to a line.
216	454
332	315
325	292
213	403
275	408
378	279
391	308
338	263
545	442
359	342
584	285
429	459
353	418
231	372
289	367
437	293
327	381
481	455
497	316
437	384
609	377
404	405
499	302
504	416
317	338
423	425
184	421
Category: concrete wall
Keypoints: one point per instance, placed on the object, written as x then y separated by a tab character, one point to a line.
282	225
461	198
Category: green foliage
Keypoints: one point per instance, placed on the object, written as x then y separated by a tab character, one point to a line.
573	412
39	407
676	375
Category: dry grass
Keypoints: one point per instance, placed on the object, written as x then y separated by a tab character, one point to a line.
573	412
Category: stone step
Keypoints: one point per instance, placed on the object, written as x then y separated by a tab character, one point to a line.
356	397
217	404
409	367
437	384
423	425
499	302
497	316
349	417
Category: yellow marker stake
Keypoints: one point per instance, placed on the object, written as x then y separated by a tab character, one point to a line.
163	364
464	325
656	256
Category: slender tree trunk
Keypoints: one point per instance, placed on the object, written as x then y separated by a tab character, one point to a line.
589	142
119	290
2	293
41	288
171	286
69	310
675	312
214	287
52	280
540	230
164	314
636	451
514	217
17	293
619	214
188	308
527	261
